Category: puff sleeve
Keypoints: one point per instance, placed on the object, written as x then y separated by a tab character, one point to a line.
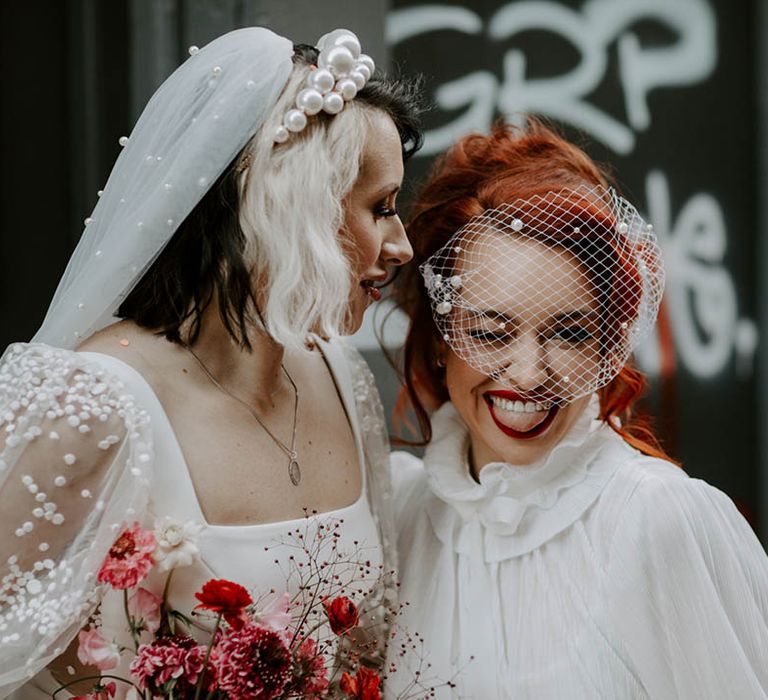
75	465
689	584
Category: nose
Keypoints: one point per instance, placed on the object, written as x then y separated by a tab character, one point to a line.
396	249
523	363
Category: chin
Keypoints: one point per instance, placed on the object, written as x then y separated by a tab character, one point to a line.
353	321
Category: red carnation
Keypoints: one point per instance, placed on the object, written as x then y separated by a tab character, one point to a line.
363	686
225	598
178	659
342	614
310	676
252	663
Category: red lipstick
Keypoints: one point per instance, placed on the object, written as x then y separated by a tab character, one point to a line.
511	432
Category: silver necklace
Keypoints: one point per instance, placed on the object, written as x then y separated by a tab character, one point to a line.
294	471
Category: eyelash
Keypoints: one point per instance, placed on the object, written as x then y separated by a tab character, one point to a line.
569	334
385	212
572	334
487	336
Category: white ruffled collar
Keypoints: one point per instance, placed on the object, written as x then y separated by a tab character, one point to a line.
515	509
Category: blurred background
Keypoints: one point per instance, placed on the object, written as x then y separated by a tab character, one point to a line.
672	95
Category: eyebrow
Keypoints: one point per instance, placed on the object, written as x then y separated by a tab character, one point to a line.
578	315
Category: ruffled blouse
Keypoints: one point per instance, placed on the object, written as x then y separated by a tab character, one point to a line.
597	572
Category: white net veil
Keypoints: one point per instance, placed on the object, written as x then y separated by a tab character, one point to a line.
191	129
548	295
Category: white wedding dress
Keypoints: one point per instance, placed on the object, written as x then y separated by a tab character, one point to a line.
597	573
145	477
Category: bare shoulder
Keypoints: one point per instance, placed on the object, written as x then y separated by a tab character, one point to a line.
151	354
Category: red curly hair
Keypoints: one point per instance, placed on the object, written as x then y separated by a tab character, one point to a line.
484	172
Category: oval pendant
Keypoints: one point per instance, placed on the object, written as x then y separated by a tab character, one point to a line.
294	472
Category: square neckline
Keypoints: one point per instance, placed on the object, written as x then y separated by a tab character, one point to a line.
349	411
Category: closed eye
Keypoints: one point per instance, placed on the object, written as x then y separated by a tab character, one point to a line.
572	334
488	336
385	212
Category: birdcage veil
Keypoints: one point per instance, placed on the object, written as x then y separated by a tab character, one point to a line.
587	236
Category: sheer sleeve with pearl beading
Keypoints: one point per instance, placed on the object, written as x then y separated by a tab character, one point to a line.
75	464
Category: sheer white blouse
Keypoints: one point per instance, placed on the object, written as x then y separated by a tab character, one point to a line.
596	573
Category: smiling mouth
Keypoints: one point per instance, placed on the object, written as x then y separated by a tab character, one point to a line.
522	420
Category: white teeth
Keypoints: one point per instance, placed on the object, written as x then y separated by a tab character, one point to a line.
520	406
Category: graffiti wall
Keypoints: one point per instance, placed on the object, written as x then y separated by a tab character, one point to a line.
661	92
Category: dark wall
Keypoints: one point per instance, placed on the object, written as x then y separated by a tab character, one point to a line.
66	102
34	137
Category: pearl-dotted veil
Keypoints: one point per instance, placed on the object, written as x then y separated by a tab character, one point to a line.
189	132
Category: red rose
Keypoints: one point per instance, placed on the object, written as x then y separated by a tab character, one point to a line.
342	614
226	598
363	686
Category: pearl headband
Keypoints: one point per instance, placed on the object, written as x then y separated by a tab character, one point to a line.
342	71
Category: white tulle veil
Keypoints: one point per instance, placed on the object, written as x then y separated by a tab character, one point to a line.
191	129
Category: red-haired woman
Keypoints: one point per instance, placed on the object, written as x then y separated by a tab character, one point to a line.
548	547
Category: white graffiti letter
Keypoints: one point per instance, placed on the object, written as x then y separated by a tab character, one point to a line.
689	60
700	293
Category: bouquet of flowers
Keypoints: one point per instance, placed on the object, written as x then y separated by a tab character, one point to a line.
234	645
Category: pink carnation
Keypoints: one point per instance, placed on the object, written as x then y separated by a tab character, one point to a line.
129	559
310	676
253	663
179	658
94	650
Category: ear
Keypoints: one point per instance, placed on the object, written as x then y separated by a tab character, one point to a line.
441	351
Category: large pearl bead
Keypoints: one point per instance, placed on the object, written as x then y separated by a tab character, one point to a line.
280	136
310	101
322	80
358	79
363	69
338	60
329	39
333	103
295	120
347	88
366	60
350	42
